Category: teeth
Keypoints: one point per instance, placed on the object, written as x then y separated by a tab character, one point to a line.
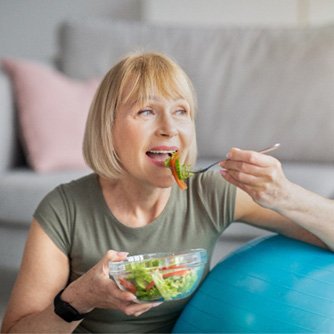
161	152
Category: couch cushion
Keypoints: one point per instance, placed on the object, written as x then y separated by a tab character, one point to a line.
8	139
256	86
22	190
52	113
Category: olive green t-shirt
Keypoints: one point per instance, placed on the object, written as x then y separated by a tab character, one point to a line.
76	217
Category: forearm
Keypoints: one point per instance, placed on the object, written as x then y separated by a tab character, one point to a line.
261	177
45	321
311	211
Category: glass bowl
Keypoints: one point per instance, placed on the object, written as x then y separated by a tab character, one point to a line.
160	276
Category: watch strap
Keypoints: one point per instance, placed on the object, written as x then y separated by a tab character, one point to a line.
65	310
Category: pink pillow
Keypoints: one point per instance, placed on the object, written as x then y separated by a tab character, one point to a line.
52	111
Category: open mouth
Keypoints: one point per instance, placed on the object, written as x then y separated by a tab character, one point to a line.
160	155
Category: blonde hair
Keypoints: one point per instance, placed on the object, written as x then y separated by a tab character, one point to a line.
134	78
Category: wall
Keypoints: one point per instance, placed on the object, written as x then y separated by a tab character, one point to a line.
28	27
240	12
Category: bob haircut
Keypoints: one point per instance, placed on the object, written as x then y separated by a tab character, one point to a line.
134	78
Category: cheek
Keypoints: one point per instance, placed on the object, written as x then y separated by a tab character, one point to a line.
188	131
126	141
122	132
121	140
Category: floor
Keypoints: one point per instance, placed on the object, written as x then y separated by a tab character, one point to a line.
234	237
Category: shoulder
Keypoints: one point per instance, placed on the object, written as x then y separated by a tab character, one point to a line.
212	190
58	210
211	193
209	183
65	193
83	183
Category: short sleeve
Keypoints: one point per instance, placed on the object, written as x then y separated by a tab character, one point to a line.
217	197
53	216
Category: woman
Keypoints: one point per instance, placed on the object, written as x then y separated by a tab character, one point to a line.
142	112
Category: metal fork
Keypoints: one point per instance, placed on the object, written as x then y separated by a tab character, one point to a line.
265	150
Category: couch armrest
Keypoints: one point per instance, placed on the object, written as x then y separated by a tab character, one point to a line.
8	126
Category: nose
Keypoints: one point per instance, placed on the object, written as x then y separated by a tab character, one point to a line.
167	127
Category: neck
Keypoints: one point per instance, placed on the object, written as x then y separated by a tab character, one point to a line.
134	205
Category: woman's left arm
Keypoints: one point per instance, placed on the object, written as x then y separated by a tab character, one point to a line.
267	199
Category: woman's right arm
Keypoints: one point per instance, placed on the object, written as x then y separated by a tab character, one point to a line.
44	272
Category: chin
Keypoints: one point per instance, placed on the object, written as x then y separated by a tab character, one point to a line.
163	184
166	186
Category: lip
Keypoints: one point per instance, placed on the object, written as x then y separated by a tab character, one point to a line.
164	148
158	163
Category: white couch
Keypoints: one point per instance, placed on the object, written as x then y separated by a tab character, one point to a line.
255	86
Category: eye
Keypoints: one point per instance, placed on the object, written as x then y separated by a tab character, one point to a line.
145	112
181	112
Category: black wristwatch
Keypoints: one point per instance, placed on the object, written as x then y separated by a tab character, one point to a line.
66	311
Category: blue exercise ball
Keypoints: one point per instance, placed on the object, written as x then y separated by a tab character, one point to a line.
270	285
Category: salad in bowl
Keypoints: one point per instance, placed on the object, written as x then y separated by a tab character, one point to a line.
160	276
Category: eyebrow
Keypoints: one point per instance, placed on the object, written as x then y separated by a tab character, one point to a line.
155	98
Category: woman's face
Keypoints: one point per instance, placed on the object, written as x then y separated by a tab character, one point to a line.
145	136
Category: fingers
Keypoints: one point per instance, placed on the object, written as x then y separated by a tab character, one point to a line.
248	174
139	309
240	169
239	179
128	303
101	291
257	174
249	168
250	157
123	300
112	255
116	293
